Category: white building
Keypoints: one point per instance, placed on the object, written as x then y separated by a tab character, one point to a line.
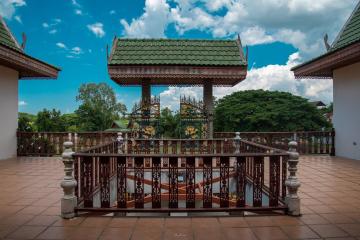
15	64
342	64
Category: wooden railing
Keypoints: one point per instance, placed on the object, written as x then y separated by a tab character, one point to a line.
116	178
51	143
312	142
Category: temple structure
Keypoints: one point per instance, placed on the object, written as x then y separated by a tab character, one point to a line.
178	62
15	64
341	63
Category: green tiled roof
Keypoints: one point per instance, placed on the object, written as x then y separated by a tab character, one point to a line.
176	52
6	37
350	32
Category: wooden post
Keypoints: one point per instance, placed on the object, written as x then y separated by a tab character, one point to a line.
209	106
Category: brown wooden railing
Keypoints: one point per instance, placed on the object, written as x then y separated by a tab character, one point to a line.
312	142
51	143
115	178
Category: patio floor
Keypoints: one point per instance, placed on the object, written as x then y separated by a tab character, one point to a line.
30	205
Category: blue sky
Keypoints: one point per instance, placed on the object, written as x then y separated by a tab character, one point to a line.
73	35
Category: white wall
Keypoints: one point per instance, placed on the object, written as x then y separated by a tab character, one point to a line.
347	111
8	111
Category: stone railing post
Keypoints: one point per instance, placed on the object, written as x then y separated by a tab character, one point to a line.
69	200
237	140
120	141
292	183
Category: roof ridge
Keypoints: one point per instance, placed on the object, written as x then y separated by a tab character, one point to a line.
176	39
2	21
345	26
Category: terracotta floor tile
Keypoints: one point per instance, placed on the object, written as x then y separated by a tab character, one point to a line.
269	233
352	229
116	233
338	218
150	222
42	220
208	233
181	233
57	233
86	233
260	221
6	229
96	222
313	219
299	232
327	231
233	222
26	232
147	233
205	222
239	233
122	222
176	222
17	219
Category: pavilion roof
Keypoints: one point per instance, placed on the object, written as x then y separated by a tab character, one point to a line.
13	56
176	61
345	50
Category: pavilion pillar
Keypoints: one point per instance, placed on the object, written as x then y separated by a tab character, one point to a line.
209	106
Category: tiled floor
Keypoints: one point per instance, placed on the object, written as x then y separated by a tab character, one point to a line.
30	194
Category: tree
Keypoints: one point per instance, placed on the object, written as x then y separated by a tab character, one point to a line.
258	110
169	124
26	122
49	121
98	108
71	122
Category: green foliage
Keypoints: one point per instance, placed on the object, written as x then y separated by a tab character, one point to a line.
71	122
258	110
26	122
169	126
49	121
98	108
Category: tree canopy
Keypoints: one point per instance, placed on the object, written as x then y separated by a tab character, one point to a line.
98	107
259	110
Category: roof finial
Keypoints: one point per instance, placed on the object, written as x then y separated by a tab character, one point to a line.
240	46
23	44
107	52
247	53
327	45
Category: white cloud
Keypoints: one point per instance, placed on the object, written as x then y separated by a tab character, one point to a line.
22	103
75	3
97	29
152	23
112	12
76	51
78	12
18	19
271	77
8	7
301	23
45	25
53	31
61	45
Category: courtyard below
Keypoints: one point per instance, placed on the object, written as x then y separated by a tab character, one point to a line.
30	208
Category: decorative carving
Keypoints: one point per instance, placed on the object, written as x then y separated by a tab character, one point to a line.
274	192
224	182
121	182
87	181
207	178
139	182
241	181
258	181
156	183
190	182
105	182
173	182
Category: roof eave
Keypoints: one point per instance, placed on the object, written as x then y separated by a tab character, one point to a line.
27	66
323	66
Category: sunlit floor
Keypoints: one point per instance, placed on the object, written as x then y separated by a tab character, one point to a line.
30	206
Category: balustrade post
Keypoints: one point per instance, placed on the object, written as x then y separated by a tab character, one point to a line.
120	141
332	150
292	183
69	200
237	140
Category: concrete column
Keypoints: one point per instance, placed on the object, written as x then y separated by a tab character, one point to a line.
209	106
69	200
292	183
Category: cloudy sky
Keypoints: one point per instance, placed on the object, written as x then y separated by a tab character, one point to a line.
73	35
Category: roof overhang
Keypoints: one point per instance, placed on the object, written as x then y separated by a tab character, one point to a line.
169	75
323	66
27	66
